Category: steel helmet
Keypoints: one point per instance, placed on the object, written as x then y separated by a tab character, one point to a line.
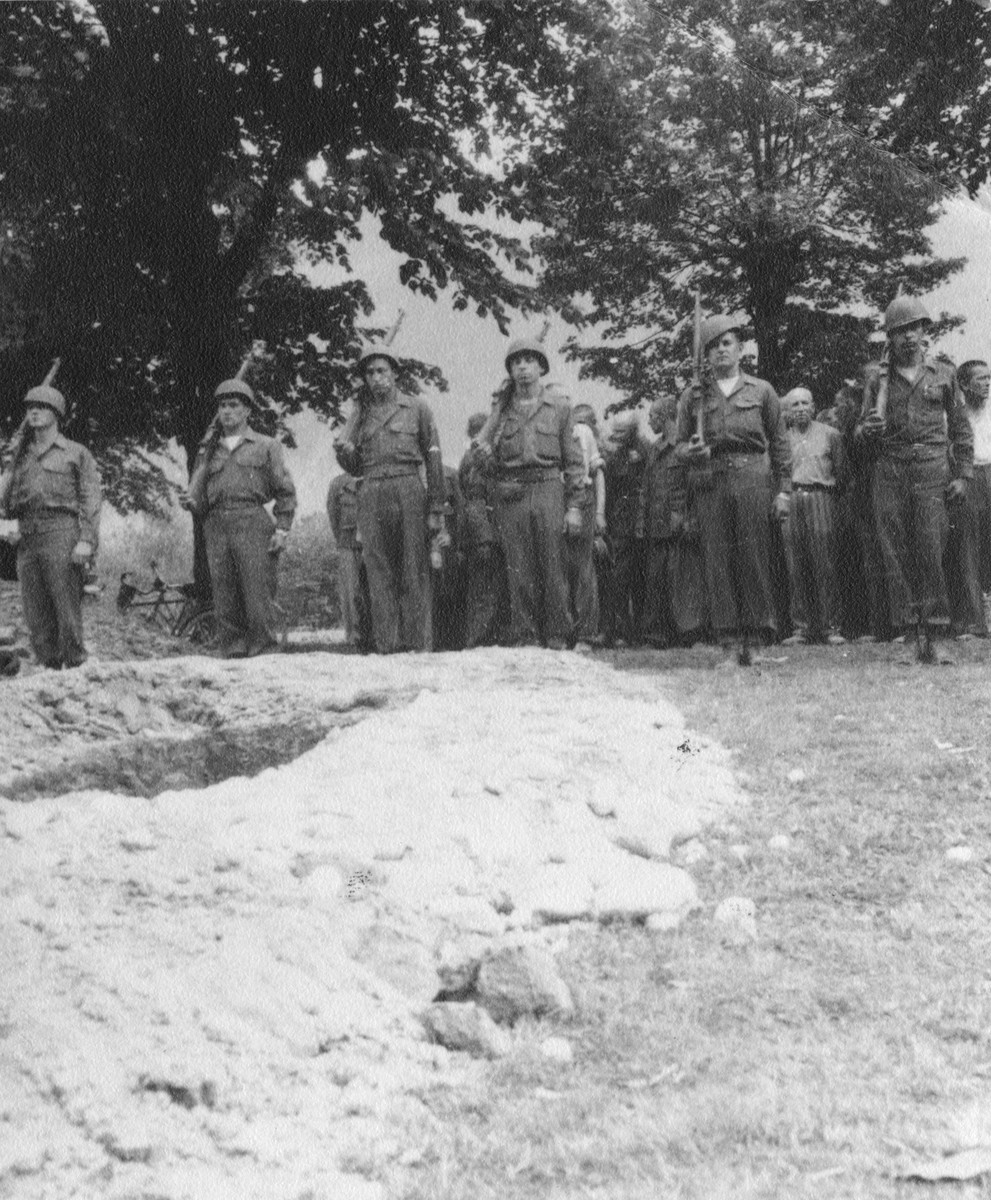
904	310
234	387
715	327
377	351
48	396
528	346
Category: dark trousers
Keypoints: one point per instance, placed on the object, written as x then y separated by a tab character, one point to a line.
485	597
970	533
351	589
622	596
583	589
673	608
810	544
392	522
52	588
529	517
243	577
910	511
733	510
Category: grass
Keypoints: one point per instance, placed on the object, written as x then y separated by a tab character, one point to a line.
852	1039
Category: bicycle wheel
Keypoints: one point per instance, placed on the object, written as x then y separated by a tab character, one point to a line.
200	629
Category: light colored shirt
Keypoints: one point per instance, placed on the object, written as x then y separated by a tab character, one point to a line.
728	385
980	422
591	456
815	454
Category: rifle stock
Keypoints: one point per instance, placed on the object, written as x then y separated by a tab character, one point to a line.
697	386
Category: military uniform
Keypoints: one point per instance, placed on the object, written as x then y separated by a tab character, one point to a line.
229	488
925	420
538	469
674	603
485	571
447	584
391	444
731	496
55	497
579	552
342	511
623	593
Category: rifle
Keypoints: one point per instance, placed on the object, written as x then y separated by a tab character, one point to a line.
698	351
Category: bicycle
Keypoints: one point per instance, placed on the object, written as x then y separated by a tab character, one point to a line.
172	607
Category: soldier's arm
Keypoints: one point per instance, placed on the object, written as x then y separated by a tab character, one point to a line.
777	441
90	499
837	452
960	432
281	486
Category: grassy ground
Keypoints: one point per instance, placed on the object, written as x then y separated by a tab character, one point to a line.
852	1039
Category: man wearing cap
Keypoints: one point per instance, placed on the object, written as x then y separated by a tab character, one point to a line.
529	446
818	470
391	441
740	477
52	488
236	473
913	419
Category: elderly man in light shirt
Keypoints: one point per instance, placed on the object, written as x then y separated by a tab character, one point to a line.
971	537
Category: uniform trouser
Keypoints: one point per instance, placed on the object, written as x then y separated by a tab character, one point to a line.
583	588
810	544
349	593
392	523
52	589
673	609
962	560
979	503
485	583
910	511
623	601
529	518
734	519
864	523
243	576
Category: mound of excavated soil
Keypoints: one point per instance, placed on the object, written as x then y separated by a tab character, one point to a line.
215	991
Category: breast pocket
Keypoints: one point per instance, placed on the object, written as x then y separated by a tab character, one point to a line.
547	438
744	416
510	447
60	484
402	436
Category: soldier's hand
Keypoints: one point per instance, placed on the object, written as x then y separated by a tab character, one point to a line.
600	524
956	489
277	541
82	552
10	532
573	522
185	500
782	503
695	450
873	424
435	522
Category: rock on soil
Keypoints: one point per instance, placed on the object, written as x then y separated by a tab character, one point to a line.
217	991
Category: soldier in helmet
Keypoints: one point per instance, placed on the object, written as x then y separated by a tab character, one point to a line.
740	475
529	446
913	418
391	441
236	473
52	488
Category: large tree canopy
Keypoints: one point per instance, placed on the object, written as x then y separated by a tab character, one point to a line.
709	147
159	190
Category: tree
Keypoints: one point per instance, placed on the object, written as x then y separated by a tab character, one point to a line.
169	165
705	150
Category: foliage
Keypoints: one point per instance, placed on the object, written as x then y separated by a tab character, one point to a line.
705	149
171	169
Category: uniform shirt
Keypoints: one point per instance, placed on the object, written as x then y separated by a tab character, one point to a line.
62	478
342	511
816	455
394	437
537	434
980	424
747	421
663	492
624	469
927	413
254	472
